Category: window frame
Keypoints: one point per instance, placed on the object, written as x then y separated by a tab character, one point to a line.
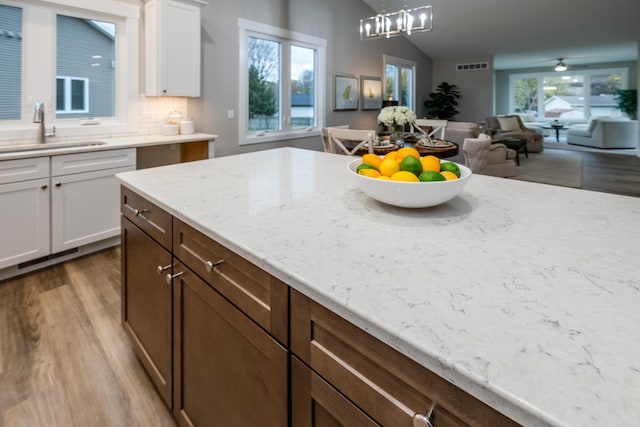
400	63
68	94
586	89
287	38
39	82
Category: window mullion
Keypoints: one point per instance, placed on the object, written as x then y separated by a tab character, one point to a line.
285	87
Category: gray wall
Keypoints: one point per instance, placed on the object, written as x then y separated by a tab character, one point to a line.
476	87
337	21
502	80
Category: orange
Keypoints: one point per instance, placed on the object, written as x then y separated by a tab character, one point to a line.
372	159
371	173
450	176
407	151
404	176
430	163
391	155
389	166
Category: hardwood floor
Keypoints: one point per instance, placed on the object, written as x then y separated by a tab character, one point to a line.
611	173
64	358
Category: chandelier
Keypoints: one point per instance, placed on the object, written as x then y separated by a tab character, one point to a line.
405	21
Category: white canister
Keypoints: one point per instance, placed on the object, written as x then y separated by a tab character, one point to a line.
187	127
170	129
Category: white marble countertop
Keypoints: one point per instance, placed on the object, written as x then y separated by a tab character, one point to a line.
525	295
17	151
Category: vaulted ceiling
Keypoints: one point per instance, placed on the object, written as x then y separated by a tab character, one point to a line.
528	33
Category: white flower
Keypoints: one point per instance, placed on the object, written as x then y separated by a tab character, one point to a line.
396	116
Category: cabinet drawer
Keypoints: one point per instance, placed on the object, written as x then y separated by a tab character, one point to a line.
93	161
149	217
385	384
23	169
259	295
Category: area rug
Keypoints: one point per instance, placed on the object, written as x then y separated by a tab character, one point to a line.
555	167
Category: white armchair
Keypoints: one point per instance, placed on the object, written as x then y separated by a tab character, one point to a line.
605	133
483	157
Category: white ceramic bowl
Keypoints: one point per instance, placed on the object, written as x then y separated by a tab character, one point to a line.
410	194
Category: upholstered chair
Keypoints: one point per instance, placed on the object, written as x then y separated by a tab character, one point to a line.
485	158
512	127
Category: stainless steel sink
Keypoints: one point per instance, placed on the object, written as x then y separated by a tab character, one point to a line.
48	146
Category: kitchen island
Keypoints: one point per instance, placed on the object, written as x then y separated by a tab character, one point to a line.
523	295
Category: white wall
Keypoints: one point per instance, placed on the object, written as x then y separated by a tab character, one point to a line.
337	21
476	87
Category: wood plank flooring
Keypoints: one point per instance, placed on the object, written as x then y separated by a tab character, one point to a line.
64	358
611	173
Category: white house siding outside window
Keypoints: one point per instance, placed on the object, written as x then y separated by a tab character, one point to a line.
281	83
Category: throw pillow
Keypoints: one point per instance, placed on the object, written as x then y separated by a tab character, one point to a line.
508	124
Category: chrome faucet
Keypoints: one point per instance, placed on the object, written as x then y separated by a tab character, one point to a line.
38	117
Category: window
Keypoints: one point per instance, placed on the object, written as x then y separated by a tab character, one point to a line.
72	95
572	96
283	75
91	69
399	84
11	63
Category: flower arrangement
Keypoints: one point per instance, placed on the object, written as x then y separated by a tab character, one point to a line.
396	117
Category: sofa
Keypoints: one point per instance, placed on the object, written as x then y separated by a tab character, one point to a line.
483	157
605	133
458	131
512	127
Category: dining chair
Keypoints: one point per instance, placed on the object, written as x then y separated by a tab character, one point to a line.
437	126
336	138
326	145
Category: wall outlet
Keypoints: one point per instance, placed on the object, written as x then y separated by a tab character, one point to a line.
230	114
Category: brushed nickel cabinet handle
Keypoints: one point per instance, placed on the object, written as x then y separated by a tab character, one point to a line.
139	212
211	265
420	420
161	269
170	277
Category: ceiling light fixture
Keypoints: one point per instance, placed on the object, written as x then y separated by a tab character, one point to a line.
405	21
560	66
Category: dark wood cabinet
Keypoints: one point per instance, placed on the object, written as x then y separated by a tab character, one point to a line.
386	385
315	403
228	370
147	305
228	344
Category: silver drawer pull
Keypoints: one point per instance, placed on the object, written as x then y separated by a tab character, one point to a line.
161	269
138	212
211	265
170	277
420	420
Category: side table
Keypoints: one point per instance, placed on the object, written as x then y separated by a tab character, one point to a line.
516	144
558	128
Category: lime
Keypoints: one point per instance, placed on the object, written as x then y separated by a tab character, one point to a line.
365	166
411	164
431	176
451	167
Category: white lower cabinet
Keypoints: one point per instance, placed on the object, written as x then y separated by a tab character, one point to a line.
52	204
24	221
84	208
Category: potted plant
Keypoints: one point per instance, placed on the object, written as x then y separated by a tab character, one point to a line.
627	100
443	102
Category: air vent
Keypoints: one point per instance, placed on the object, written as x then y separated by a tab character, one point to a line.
473	67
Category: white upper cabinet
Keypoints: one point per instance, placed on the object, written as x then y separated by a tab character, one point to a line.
172	47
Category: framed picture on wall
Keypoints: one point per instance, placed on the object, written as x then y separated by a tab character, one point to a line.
345	93
371	93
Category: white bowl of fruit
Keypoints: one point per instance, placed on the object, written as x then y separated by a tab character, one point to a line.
403	178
